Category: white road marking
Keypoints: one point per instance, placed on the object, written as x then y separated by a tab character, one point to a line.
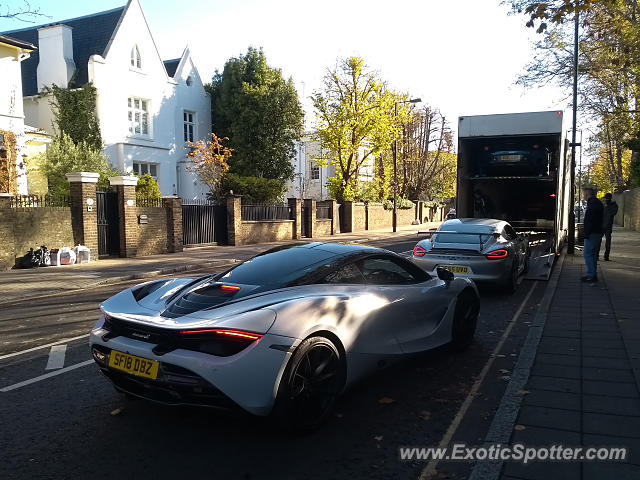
407	253
430	470
56	357
22	352
45	376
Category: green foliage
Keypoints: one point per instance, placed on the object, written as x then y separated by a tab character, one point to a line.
75	115
375	190
355	122
147	187
253	189
64	156
401	203
259	112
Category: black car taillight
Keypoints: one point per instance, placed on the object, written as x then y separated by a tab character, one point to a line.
497	254
418	251
219	342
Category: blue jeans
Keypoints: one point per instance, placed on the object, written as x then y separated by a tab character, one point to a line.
591	251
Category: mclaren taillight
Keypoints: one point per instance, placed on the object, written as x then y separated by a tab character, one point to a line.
221	342
497	254
418	251
229	288
225	333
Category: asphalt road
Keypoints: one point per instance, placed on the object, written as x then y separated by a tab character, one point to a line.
70	423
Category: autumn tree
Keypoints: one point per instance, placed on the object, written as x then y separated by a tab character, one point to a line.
210	161
428	163
608	67
259	112
355	122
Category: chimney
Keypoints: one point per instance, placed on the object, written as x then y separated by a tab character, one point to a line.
55	48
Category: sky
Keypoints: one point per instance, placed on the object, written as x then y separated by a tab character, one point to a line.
460	56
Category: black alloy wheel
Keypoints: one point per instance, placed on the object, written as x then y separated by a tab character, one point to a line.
311	384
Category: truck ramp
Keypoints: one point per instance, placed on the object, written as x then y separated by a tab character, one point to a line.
542	256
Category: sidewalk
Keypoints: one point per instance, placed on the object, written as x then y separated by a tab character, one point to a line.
24	284
582	384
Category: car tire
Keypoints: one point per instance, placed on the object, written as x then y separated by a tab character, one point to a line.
511	283
465	319
310	385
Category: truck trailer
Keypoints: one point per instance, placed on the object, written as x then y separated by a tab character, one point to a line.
515	167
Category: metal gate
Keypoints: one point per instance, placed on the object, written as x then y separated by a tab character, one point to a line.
108	224
305	219
203	222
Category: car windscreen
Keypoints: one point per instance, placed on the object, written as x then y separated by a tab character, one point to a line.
279	267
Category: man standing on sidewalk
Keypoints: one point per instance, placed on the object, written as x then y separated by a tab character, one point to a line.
610	211
592	234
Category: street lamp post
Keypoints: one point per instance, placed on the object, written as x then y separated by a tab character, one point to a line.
571	241
395	164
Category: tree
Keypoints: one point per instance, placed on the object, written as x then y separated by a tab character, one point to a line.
259	112
74	112
355	122
147	187
428	164
24	13
609	67
210	161
64	156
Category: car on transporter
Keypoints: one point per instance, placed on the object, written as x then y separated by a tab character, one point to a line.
281	334
481	249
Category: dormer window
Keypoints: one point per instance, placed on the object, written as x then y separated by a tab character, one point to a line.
136	61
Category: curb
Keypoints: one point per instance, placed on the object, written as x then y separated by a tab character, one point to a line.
505	416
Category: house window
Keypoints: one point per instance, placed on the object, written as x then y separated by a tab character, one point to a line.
141	169
138	114
315	172
136	60
189	125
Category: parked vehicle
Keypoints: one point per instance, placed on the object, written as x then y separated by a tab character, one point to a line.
282	333
512	167
483	250
451	213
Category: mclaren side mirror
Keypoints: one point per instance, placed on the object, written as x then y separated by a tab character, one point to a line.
444	274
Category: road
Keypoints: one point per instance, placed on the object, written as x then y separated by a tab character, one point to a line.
68	422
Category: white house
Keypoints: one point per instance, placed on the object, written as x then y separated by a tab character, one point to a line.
310	179
13	52
147	108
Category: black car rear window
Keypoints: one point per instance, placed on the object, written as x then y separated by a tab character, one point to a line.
279	267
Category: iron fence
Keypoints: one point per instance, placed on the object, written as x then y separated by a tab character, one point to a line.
145	201
36	201
258	213
323	210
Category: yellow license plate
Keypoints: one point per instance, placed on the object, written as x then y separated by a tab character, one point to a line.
456	268
140	367
510	158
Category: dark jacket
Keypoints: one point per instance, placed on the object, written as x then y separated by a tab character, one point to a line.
610	211
593	217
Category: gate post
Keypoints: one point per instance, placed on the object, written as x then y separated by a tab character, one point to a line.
125	187
310	206
333	209
173	207
234	220
296	209
84	211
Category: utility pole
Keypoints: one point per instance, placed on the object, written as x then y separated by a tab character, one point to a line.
571	243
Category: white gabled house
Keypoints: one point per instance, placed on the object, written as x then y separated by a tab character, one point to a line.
309	178
13	52
147	108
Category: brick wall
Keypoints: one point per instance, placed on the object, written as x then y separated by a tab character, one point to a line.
267	231
23	228
628	209
359	217
322	227
151	237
